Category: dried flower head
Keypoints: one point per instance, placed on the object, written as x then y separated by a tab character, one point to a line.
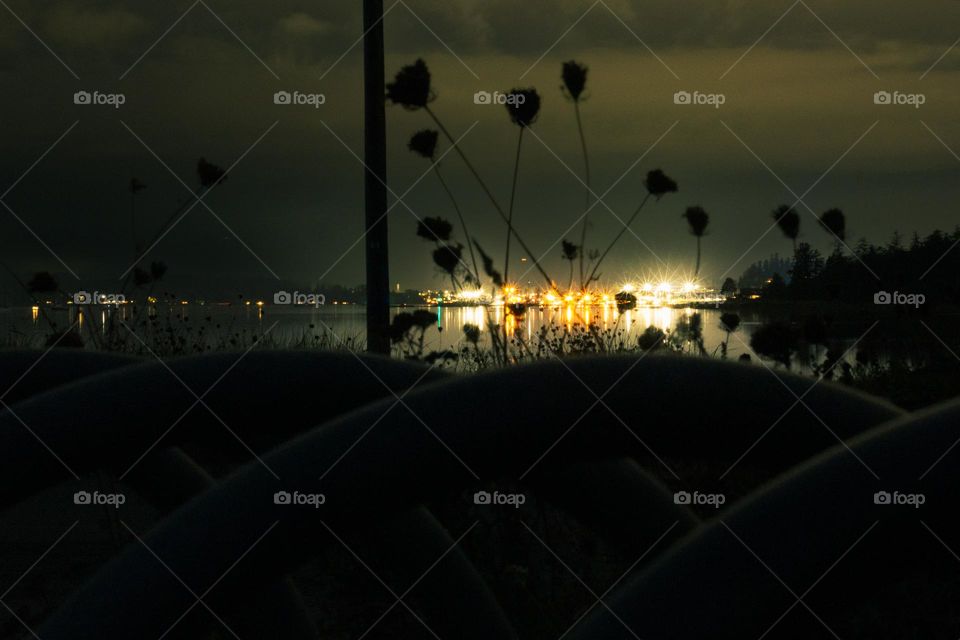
424	143
574	79
523	105
488	267
729	322
141	277
209	174
434	229
788	220
472	333
157	270
658	184
448	257
698	219
42	282
835	222
411	86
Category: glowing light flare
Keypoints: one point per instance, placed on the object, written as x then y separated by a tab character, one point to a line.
471	294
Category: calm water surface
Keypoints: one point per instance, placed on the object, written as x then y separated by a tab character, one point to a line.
292	324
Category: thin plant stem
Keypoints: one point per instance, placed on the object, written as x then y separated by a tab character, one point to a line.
490	196
142	254
513	196
593	273
696	271
586	166
463	222
133	222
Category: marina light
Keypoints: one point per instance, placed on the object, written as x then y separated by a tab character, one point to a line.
664	287
471	294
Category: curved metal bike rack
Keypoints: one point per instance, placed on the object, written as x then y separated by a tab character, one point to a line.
821	507
425	452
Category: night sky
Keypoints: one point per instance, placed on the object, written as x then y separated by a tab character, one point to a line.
798	78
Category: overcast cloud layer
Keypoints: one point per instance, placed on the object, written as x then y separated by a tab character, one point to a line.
799	109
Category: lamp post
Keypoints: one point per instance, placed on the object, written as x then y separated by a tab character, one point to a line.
375	178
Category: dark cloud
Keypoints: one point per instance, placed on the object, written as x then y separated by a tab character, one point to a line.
799	100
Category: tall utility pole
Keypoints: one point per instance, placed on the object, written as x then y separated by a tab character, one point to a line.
375	179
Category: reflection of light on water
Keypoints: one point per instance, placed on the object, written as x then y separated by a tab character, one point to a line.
511	324
660	317
35	313
474	315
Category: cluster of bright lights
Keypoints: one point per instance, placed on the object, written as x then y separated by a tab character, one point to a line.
662	288
471	294
649	291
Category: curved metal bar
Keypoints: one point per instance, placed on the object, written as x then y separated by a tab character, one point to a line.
798	526
620	501
428	450
167	479
262	399
25	373
454	600
406	548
